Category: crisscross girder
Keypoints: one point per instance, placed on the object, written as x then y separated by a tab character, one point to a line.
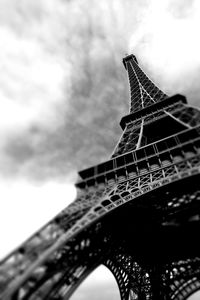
143	91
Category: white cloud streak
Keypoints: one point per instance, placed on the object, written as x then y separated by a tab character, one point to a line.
35	75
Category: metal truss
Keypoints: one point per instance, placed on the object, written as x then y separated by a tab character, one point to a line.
143	92
146	198
133	280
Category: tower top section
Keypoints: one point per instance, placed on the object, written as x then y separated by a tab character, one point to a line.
143	91
128	58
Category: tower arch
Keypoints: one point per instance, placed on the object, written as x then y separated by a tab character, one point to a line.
100	284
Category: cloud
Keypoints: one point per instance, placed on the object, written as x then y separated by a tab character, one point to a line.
167	44
31	82
35	78
35	81
35	75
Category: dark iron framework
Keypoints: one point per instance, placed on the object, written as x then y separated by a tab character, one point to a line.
137	213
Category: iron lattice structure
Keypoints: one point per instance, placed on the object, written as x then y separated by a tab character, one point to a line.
137	213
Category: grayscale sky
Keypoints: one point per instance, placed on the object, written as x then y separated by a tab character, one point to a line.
63	90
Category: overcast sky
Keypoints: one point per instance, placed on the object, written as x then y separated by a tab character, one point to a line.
63	90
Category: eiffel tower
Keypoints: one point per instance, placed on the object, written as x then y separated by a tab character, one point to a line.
137	213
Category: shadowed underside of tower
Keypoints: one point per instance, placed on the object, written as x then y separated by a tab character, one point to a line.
137	213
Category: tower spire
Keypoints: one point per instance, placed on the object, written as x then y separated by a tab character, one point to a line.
148	103
143	92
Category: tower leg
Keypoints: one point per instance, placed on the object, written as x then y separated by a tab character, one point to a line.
157	284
